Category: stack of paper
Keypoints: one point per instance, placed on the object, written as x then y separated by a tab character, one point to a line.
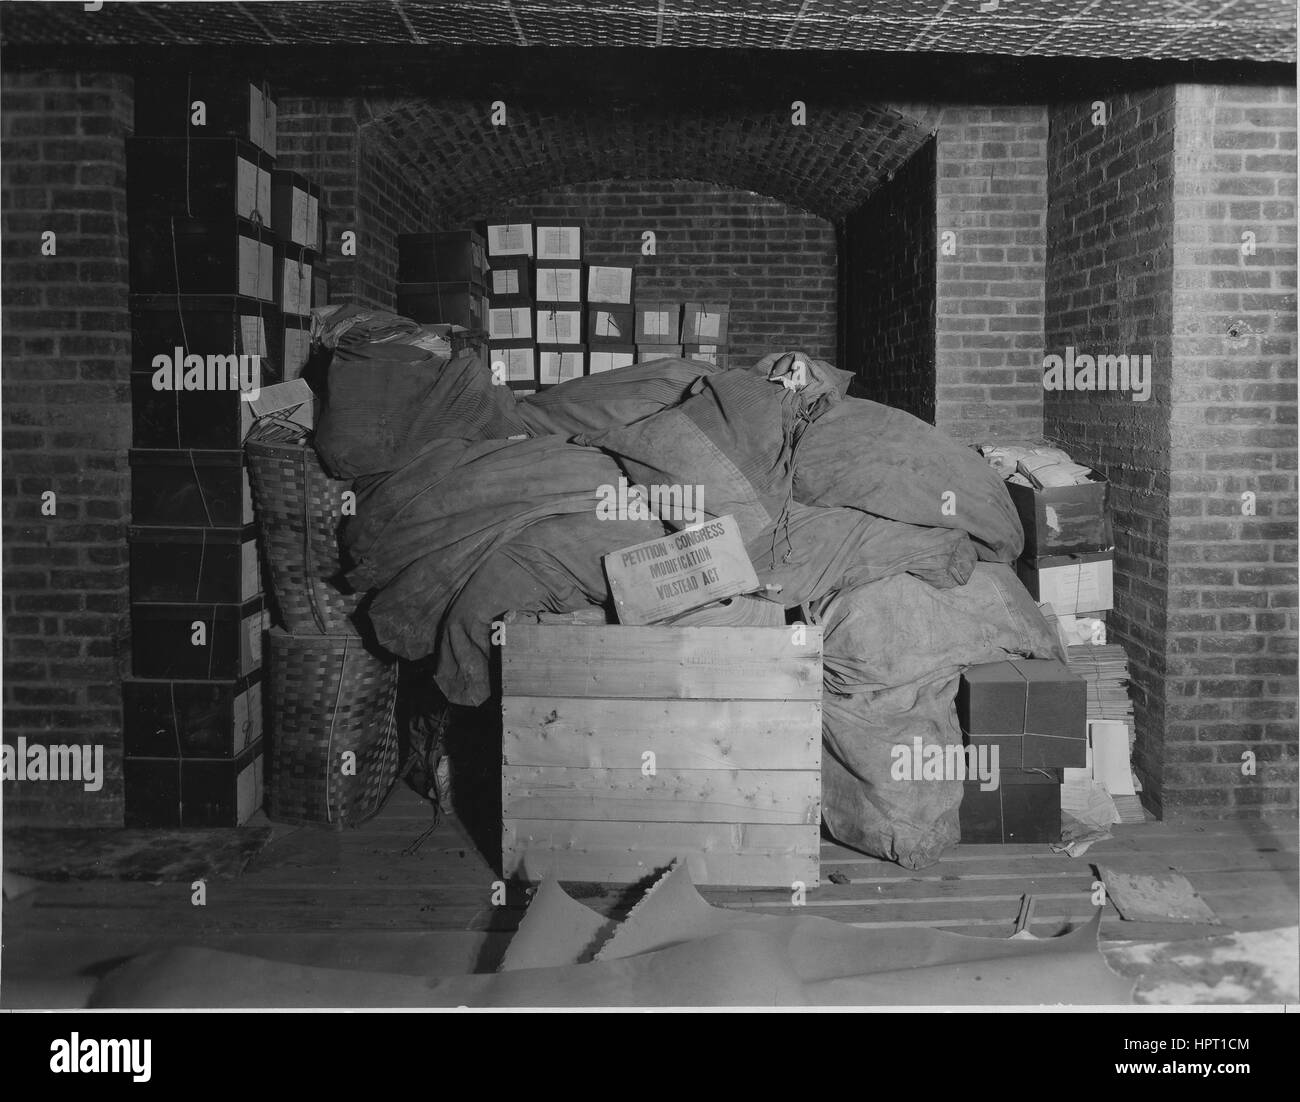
1105	669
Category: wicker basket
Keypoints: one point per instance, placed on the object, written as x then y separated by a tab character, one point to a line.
299	508
330	696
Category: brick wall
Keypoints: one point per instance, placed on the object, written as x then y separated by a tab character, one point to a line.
1108	290
773	263
887	262
388	203
992	185
1232	577
67	427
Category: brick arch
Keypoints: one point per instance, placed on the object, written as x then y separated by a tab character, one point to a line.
464	164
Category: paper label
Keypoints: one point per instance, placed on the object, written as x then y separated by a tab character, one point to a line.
557	243
298	219
606	324
559	284
252	335
507	240
505	281
706	325
655	323
609	284
256	269
518	363
297	347
557	327
509	323
246	188
608	361
558	366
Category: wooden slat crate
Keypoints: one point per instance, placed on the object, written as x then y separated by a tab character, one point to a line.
732	717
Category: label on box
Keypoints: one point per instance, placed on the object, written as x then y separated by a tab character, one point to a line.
609	284
1075	587
706	325
510	240
505	281
519	363
246	189
295	290
661	578
510	323
605	323
256	268
556	367
657	323
559	243
558	326
609	361
252	335
559	284
297	350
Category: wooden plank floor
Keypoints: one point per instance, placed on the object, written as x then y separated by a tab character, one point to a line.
365	897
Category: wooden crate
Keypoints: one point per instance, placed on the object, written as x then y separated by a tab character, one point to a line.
732	717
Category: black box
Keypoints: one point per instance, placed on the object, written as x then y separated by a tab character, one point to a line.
197	256
192	719
235	106
199	178
194	564
611	325
463	304
1058	519
1024	808
511	281
454	256
204	324
1039	698
195	488
195	792
162	640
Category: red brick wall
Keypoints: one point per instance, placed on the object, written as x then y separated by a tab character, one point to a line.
1109	285
992	187
67	427
888	252
1232	577
774	263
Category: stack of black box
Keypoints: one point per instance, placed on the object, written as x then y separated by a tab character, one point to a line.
440	280
223	273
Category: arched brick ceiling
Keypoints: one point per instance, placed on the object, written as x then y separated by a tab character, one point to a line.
827	167
1259	30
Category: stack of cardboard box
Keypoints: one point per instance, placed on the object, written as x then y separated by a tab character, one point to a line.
440	279
1068	560
1023	722
222	258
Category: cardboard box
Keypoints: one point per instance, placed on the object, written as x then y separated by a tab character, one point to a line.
610	283
658	323
610	325
453	256
463	304
236	179
558	363
163	640
1063	518
513	362
609	357
705	323
193	792
559	282
1014	813
191	719
295	205
511	282
733	718
559	326
218	565
658	579
1072	584
1027	697
172	488
509	239
510	323
558	242
647	352
1032	751
194	256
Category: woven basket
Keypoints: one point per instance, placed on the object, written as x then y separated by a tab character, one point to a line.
329	696
299	508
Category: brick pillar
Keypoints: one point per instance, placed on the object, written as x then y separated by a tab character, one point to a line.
1232	455
67	427
992	194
